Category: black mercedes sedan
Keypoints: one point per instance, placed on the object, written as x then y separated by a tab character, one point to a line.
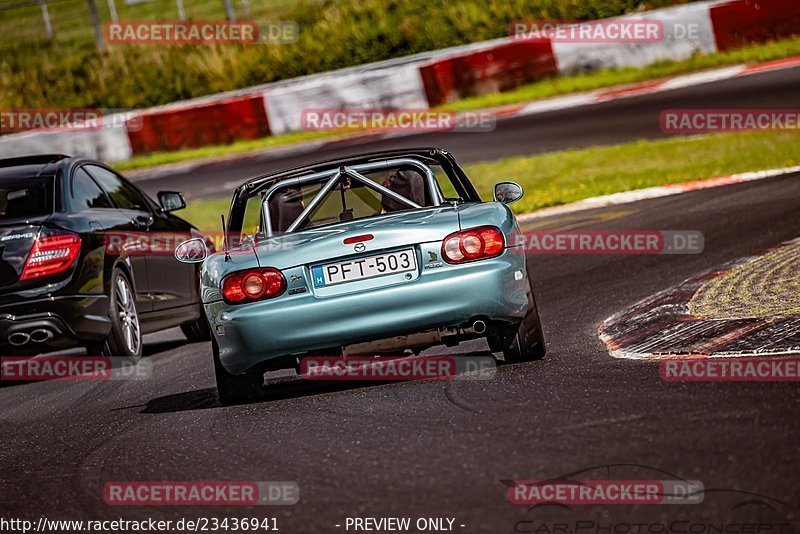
86	259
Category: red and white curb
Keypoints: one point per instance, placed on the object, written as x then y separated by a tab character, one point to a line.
635	195
661	327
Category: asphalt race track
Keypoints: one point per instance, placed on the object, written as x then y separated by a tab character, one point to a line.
441	449
600	124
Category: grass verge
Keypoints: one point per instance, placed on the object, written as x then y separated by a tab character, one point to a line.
563	177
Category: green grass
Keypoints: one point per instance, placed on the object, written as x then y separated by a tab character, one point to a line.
562	177
72	30
204	214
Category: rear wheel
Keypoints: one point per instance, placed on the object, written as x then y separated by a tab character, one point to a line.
232	389
525	343
125	338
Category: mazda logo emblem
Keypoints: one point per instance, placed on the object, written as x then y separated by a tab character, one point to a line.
361	247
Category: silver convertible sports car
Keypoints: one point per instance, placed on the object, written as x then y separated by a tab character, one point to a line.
385	252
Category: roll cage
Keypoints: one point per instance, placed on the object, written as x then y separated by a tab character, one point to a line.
334	172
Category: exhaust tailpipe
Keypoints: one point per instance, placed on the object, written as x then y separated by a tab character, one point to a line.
447	335
19	338
41	335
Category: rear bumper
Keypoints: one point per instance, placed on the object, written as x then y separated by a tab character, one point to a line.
253	333
69	320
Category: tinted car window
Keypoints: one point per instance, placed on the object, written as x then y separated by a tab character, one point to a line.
86	193
24	198
124	195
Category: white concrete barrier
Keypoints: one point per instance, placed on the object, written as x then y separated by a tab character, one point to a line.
399	87
687	31
107	143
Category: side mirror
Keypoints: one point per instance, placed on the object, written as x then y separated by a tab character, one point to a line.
192	251
171	200
507	192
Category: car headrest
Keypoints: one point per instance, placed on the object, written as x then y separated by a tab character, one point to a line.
286	206
408	182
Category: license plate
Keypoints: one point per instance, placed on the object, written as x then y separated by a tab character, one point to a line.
361	268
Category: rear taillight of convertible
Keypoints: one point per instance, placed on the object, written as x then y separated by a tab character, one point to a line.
51	255
474	244
252	285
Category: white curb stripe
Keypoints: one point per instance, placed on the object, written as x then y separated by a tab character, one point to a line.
699	78
561	102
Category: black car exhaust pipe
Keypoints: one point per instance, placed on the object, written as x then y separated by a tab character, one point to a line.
40	335
19	338
479	326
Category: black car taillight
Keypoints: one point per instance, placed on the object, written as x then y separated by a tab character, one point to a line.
51	255
252	285
474	244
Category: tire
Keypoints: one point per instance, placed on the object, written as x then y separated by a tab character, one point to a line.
125	338
197	331
233	389
525	343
